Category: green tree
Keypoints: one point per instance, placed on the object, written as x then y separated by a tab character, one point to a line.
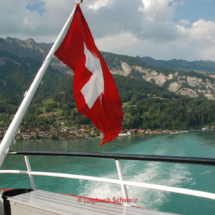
37	136
57	133
83	135
51	137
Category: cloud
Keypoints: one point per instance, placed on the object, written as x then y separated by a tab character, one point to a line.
164	32
157	10
184	21
129	43
177	3
127	27
11	21
116	17
99	3
203	32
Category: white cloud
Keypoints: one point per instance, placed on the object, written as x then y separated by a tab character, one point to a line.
184	21
203	32
177	3
132	27
157	10
15	18
129	43
99	3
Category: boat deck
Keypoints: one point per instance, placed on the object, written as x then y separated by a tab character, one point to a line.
43	202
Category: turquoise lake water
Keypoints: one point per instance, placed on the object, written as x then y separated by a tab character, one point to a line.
196	177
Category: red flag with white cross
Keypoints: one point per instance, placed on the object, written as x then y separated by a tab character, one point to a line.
94	89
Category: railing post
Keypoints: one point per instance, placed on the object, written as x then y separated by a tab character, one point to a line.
124	190
29	172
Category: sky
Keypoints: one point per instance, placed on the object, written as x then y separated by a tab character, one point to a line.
162	29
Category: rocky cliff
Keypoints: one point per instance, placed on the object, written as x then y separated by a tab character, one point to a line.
189	84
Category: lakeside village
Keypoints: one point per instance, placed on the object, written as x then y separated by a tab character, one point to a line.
54	132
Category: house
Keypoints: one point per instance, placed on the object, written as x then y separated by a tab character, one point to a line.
43	134
73	132
129	132
54	132
73	122
123	131
165	131
148	131
141	131
206	128
18	137
82	131
154	132
133	131
26	136
33	134
4	130
40	129
84	127
92	131
67	129
64	135
86	131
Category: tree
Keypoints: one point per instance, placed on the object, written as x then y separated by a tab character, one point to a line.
57	133
37	136
89	134
51	137
97	132
83	135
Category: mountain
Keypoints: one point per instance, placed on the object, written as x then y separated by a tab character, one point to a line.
29	48
192	84
17	74
206	67
153	97
26	57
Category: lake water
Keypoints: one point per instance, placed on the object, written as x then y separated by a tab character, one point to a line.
197	177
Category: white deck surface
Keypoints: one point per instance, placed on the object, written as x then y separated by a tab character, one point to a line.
43	202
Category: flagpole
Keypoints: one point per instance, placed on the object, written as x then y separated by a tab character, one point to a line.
7	140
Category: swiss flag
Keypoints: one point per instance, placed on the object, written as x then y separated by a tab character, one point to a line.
94	90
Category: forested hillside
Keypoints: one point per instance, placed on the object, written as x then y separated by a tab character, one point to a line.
16	75
145	106
152	97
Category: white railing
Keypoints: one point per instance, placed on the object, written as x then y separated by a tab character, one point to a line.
106	180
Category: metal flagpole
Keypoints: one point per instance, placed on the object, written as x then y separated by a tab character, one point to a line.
7	140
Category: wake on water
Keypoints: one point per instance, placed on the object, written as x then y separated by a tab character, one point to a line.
154	173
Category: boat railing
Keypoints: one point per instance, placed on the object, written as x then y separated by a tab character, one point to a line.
117	158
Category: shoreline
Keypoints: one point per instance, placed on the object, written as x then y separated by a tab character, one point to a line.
100	137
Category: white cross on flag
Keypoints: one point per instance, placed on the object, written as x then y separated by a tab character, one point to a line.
95	86
94	89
